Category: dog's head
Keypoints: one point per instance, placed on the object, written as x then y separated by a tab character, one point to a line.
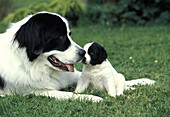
95	54
48	34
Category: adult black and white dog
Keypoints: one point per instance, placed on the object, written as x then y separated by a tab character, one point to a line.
98	73
37	56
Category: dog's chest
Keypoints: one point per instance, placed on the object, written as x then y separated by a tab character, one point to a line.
97	82
96	79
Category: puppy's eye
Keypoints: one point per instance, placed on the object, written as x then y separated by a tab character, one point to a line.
61	37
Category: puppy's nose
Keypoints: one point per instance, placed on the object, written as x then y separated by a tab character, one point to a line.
82	52
84	60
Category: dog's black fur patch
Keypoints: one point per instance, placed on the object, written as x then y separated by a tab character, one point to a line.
2	83
97	53
42	33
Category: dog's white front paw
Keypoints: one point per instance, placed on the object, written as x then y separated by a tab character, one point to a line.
78	90
89	97
95	98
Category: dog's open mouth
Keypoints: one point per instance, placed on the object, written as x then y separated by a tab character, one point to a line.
58	64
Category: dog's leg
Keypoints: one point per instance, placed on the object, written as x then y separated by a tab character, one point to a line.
111	87
67	95
82	84
120	86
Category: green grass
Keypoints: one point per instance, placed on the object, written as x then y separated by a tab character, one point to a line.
149	49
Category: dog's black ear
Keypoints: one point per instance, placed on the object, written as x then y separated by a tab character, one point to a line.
30	35
100	54
103	54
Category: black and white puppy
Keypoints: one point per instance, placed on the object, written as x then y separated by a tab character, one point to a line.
37	56
98	73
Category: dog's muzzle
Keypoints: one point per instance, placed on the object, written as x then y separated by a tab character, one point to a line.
58	64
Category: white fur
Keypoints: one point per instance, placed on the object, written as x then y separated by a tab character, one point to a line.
104	77
39	76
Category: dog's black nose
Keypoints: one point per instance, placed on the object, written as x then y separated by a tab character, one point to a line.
82	52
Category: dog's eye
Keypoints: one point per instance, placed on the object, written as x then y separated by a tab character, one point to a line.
61	37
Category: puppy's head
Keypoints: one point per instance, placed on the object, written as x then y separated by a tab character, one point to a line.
47	35
95	54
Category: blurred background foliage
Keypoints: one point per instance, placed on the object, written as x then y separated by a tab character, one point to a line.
5	7
104	12
140	12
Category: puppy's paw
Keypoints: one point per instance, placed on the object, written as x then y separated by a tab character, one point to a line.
77	91
111	93
118	94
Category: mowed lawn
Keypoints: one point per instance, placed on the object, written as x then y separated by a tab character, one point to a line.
137	52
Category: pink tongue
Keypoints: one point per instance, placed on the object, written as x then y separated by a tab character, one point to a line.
70	68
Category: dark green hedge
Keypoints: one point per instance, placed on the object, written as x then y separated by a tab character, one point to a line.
140	12
5	6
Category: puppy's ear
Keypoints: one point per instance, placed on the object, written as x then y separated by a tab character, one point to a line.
103	54
30	35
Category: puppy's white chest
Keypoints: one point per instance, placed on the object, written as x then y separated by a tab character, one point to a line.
97	82
95	79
